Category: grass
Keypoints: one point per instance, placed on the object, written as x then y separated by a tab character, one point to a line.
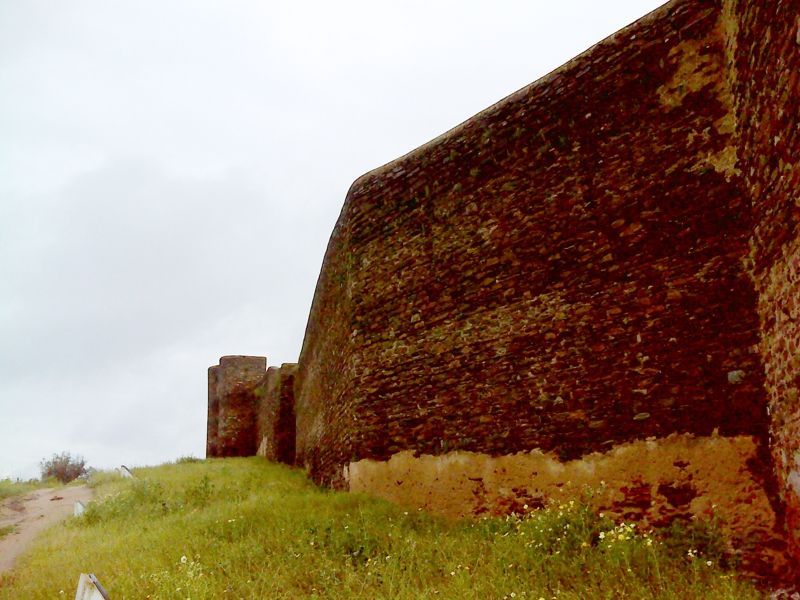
7	530
9	488
245	528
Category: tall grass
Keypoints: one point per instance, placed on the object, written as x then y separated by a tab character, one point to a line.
245	528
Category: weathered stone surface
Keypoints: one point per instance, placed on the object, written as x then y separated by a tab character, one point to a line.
251	409
765	76
276	426
550	271
607	259
234	396
654	482
212	424
608	255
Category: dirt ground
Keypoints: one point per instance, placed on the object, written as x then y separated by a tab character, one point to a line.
30	514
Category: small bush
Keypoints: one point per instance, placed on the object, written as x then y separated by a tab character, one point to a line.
63	467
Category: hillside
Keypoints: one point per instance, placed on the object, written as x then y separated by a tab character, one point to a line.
245	528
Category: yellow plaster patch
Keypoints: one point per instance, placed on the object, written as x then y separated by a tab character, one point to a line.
649	481
694	71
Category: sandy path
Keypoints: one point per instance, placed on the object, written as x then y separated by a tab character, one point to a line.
30	514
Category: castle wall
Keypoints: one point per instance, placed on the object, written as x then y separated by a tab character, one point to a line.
562	272
593	281
236	380
276	420
764	53
212	423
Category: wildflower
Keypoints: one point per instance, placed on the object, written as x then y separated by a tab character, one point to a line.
183	559
709	563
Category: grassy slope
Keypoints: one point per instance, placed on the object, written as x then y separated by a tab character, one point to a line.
244	528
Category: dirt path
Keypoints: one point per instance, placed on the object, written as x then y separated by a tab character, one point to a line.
30	514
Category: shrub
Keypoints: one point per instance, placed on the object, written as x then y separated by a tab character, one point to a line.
63	467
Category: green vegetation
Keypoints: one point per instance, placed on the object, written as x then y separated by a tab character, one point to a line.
10	488
245	528
7	530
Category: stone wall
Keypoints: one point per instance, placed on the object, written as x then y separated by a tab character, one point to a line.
607	257
232	405
212	422
251	409
593	282
562	272
276	426
764	50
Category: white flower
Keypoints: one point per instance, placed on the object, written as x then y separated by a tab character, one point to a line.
183	559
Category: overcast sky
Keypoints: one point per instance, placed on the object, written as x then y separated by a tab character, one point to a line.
170	172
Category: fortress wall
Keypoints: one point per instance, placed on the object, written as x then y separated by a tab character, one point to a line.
765	56
562	272
268	391
591	283
276	420
237	378
212	424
